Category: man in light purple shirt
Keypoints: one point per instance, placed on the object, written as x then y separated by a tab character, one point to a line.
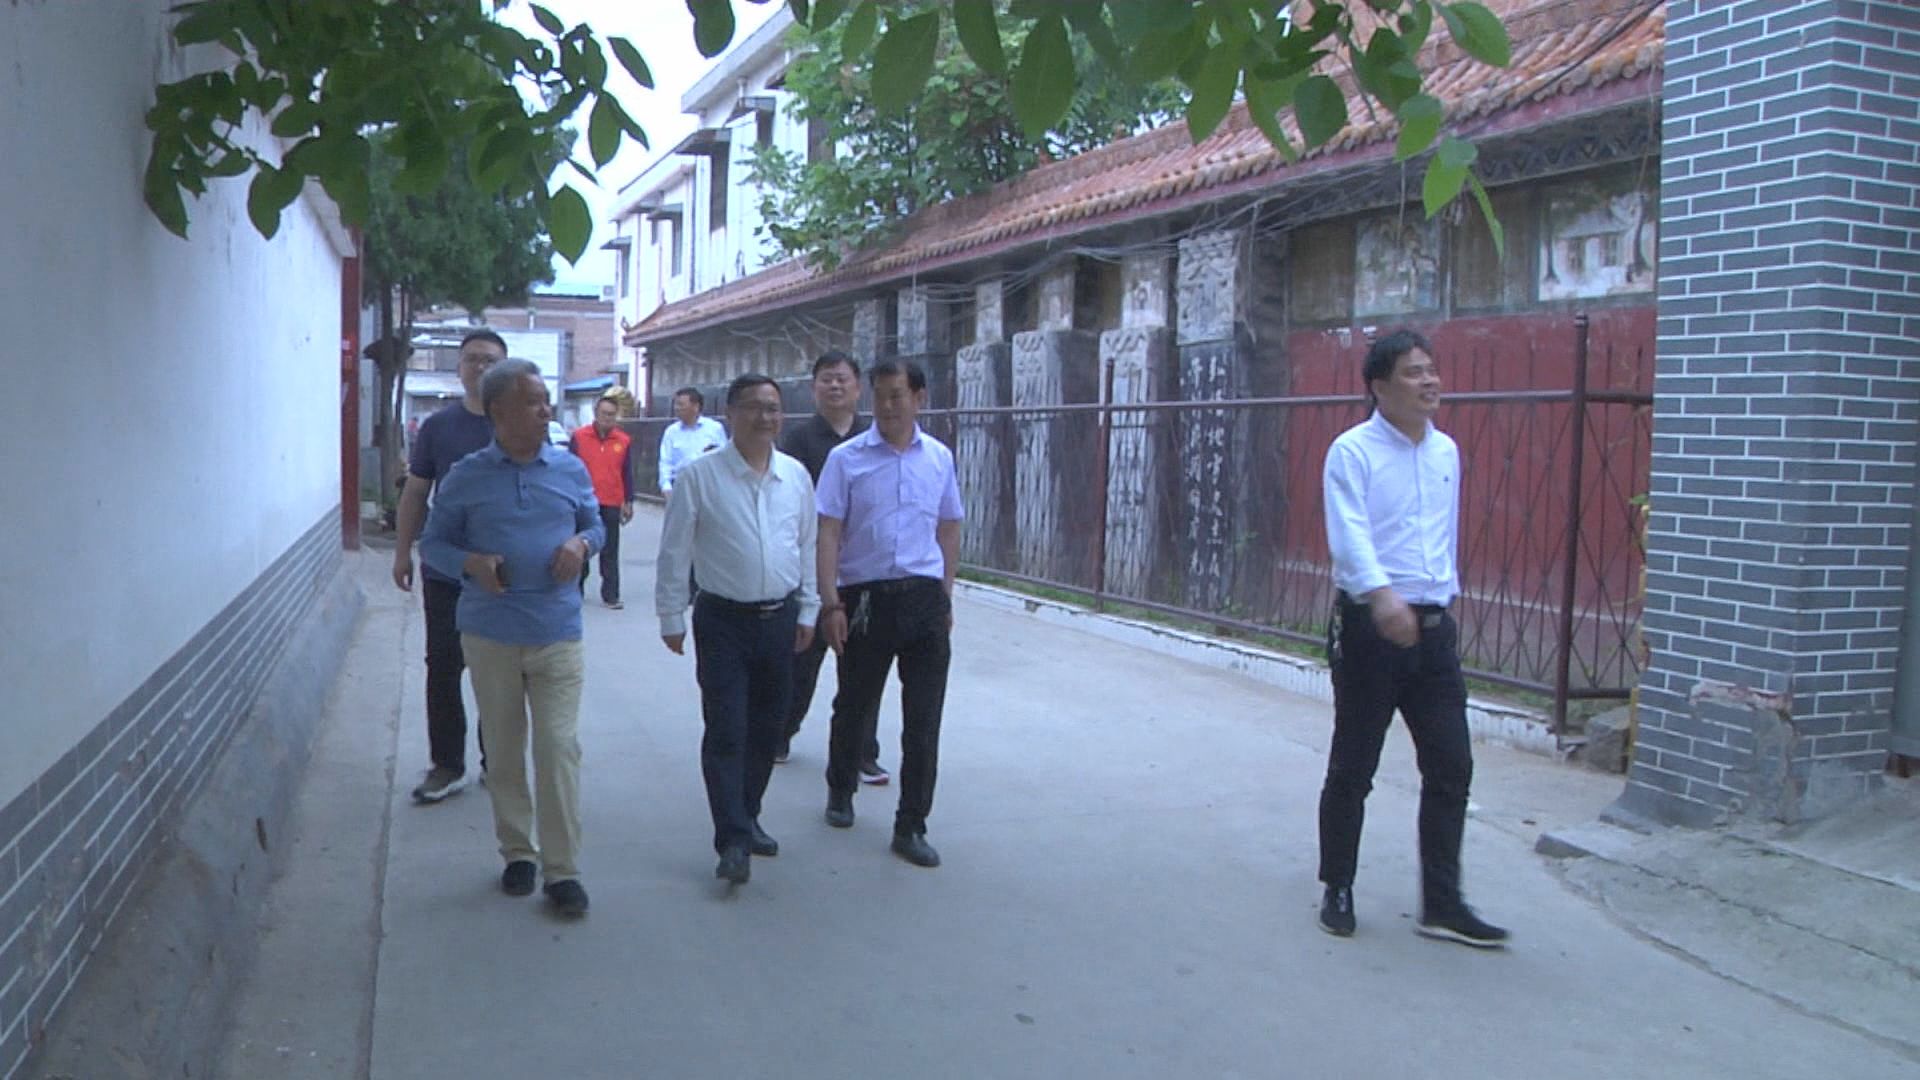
889	544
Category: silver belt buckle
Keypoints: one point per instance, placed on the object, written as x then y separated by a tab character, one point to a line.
1431	620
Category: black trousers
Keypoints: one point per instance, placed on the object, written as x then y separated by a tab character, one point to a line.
806	676
446	708
609	558
904	620
744	660
1371	678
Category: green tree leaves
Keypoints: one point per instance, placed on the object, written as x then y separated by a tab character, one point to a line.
1042	89
453	83
904	59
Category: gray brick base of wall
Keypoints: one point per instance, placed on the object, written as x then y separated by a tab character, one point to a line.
132	810
1787	406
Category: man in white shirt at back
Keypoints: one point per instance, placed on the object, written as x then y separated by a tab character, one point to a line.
742	518
688	437
1392	488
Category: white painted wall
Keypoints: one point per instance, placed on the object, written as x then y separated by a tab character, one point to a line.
209	439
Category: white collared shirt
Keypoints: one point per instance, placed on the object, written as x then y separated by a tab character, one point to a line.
680	444
1393	512
748	537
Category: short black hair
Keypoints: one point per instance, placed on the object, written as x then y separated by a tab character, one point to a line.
689	391
747	382
483	334
1387	351
916	375
832	357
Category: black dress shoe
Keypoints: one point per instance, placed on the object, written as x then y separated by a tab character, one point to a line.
1463	926
517	878
734	868
914	848
1336	911
762	843
840	811
568	897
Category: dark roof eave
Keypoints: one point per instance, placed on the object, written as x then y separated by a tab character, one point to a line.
1510	121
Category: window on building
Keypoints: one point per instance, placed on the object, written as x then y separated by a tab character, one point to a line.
677	230
622	271
717	184
763	128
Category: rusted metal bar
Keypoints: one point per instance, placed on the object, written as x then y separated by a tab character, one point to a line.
1465	397
1100	500
1570	573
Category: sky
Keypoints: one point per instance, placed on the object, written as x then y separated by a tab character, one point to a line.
663	32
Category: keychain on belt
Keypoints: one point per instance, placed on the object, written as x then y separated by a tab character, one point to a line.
858	623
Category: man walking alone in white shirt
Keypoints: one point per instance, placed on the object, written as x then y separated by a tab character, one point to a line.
742	518
688	437
1392	490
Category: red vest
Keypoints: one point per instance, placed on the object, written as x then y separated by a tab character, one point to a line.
606	462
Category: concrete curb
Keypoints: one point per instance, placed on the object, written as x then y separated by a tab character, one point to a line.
1522	729
1827	941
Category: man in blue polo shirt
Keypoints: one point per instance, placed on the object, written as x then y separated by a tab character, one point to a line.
516	523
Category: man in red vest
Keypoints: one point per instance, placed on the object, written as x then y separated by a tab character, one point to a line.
604	447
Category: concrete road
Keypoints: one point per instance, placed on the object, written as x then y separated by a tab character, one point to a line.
1128	891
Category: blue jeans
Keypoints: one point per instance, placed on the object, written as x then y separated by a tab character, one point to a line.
745	665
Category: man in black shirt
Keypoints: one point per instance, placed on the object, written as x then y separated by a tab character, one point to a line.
836	399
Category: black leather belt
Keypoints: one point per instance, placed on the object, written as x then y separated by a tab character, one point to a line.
892	585
1430	615
759	609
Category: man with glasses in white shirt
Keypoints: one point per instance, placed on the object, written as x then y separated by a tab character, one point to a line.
742	519
1392	492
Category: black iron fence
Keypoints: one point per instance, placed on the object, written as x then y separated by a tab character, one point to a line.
1211	512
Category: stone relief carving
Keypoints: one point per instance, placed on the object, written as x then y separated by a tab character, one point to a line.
1210	286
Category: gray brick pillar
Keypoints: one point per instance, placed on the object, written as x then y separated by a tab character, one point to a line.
1054	504
1214	360
984	380
873	334
1140	356
923	338
1785	422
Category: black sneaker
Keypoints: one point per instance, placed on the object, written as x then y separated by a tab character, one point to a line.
1464	927
517	878
840	811
762	844
568	897
734	868
1336	911
440	782
914	848
872	773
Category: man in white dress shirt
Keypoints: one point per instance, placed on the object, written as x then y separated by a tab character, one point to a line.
688	437
1392	489
742	518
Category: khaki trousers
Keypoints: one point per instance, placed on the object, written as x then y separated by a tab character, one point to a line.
509	682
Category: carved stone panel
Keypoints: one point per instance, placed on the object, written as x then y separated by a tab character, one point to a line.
1055	505
984	453
1140	460
1212	450
1211	286
1144	283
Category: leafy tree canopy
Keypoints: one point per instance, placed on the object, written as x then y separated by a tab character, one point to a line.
957	134
325	75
